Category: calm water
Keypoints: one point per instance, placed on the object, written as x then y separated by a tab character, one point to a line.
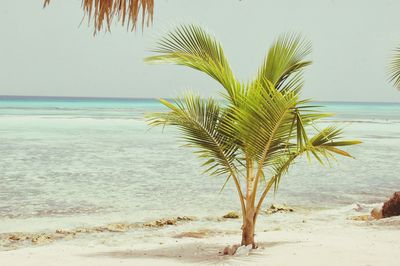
89	161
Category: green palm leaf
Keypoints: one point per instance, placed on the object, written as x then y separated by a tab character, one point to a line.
199	120
394	69
193	47
285	61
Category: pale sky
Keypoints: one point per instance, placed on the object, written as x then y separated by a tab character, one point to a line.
45	52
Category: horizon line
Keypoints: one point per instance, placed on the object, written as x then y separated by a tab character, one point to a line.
149	98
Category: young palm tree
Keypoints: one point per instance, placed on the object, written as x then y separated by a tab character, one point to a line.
261	128
394	69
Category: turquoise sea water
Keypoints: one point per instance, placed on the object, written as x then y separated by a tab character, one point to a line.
83	161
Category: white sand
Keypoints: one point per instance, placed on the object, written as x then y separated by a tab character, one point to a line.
328	243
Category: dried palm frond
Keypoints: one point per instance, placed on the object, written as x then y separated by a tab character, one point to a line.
127	11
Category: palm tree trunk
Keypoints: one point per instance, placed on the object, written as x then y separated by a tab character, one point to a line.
248	228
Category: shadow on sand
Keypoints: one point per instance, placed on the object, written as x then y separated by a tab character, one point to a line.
190	253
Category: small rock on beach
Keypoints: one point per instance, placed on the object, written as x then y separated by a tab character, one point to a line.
231	215
392	206
274	208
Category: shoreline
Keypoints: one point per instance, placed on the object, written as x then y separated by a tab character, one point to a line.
329	244
326	237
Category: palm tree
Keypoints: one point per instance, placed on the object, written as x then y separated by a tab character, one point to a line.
394	69
127	11
261	127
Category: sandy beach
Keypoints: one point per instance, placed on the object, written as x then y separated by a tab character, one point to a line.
310	239
144	132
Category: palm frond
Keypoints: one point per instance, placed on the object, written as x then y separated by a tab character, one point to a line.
327	140
264	120
193	47
394	69
285	61
199	121
323	143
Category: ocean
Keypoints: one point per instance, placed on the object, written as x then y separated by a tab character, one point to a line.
70	162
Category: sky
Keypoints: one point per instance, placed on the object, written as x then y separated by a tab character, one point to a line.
48	52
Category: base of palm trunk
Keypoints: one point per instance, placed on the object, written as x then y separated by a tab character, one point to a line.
248	236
